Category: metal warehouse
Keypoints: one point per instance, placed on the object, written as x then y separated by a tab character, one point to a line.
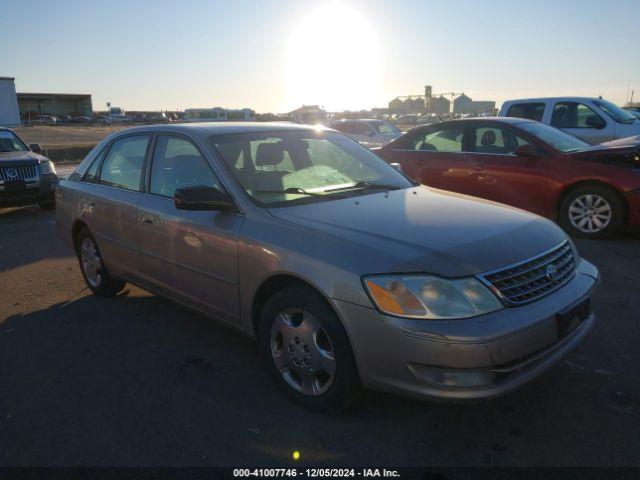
31	104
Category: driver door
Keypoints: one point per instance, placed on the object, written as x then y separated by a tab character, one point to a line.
189	254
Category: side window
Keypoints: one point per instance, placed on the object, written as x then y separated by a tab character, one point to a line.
177	163
122	166
573	115
447	139
91	175
532	111
496	140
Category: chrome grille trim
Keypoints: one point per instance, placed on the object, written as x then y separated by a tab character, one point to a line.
527	281
24	172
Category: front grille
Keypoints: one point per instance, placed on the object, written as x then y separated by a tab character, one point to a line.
533	278
19	172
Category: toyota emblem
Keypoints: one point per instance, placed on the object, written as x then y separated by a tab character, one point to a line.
12	173
552	272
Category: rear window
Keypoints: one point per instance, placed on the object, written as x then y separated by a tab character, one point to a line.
531	111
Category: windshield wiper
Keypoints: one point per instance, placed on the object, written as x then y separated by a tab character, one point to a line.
366	185
294	190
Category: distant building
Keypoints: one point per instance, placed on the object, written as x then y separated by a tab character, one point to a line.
218	114
9	113
464	105
58	104
408	104
440	105
309	114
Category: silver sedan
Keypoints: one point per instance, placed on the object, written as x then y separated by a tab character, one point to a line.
348	274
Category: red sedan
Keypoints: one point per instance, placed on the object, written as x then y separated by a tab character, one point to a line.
593	192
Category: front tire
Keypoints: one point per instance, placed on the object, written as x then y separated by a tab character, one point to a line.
95	274
592	211
307	350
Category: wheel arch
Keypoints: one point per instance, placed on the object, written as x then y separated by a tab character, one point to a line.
270	287
77	226
591	182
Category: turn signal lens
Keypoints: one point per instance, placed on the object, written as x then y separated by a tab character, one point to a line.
384	299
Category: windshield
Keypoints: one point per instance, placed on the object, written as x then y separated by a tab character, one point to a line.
282	167
385	127
615	112
556	138
9	142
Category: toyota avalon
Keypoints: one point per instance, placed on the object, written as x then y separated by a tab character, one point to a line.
347	273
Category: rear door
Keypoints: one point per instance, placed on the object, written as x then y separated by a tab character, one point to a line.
191	254
582	120
497	173
109	203
433	156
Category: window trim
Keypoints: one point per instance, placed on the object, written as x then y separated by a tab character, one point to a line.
575	128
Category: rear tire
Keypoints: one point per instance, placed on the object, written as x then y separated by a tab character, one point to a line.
592	211
306	349
95	274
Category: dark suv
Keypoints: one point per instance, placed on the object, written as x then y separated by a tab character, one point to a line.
25	176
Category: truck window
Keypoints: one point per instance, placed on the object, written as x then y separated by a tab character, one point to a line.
531	111
572	115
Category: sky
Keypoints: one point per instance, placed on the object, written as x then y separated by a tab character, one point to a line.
274	55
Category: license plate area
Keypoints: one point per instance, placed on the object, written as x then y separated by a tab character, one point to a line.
570	320
14	185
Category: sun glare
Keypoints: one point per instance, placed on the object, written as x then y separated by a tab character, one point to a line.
333	60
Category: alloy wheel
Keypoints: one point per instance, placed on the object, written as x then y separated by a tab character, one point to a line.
91	262
303	352
590	213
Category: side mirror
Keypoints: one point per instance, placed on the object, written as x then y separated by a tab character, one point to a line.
397	166
527	150
35	147
202	198
594	121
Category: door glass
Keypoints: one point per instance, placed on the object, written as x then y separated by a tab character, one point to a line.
532	111
572	115
122	167
442	140
177	163
497	141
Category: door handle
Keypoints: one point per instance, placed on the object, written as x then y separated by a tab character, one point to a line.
146	219
479	166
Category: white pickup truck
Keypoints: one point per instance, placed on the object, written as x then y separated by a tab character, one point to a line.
592	119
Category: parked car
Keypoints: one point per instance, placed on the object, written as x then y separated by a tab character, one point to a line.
591	191
594	120
26	176
45	120
348	273
369	132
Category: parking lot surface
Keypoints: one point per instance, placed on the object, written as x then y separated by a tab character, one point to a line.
141	381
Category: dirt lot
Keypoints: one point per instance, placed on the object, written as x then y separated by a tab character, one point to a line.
138	380
67	143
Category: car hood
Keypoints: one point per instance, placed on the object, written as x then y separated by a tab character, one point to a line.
624	152
426	230
8	159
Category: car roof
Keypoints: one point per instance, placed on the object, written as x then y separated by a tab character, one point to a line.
344	120
510	120
544	99
221	128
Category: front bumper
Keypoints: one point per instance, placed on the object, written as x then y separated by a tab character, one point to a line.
38	190
489	355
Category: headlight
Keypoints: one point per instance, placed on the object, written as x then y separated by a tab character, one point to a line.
426	296
47	168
